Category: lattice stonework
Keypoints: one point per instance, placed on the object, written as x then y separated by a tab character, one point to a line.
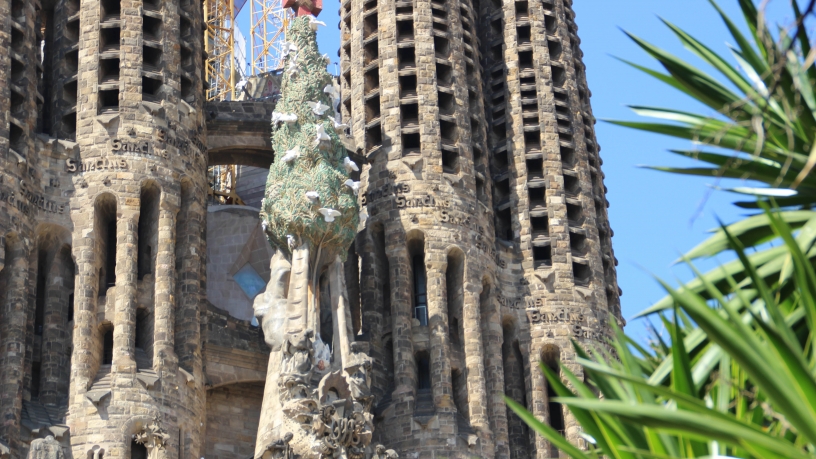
268	29
219	42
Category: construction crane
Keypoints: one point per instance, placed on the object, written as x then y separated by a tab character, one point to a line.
267	35
219	43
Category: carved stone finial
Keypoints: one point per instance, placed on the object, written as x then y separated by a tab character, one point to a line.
45	448
152	436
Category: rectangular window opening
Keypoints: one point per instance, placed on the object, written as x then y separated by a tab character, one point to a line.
372	109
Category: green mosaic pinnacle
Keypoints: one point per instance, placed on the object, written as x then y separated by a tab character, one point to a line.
307	197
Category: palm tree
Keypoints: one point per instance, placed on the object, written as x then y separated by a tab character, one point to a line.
736	376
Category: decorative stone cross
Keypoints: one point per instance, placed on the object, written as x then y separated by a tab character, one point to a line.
304	7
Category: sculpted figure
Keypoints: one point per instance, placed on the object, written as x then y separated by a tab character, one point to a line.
280	449
270	306
45	448
296	366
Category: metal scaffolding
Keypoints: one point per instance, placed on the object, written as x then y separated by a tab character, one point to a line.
219	43
268	32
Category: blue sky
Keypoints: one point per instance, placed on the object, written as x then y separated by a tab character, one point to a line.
655	216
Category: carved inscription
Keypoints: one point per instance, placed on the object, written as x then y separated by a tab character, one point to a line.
26	201
100	164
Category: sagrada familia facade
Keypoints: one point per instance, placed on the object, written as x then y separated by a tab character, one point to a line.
417	235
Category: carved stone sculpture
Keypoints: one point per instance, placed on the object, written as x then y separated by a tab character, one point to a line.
45	448
317	398
153	437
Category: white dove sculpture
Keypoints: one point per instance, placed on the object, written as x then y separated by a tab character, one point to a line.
313	22
313	195
278	117
291	155
355	186
287	47
350	165
321	135
293	66
332	91
329	214
318	107
339	127
291	241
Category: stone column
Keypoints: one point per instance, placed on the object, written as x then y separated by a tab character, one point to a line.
12	339
474	361
493	339
85	356
341	315
124	322
405	376
438	328
55	365
165	301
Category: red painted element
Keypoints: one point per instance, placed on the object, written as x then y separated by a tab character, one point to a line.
304	7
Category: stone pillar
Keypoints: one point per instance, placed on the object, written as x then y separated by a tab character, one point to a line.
474	361
165	301
124	321
493	339
55	362
341	315
85	356
405	376
13	320
438	327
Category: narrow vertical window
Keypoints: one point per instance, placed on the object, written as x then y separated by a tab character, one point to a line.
420	290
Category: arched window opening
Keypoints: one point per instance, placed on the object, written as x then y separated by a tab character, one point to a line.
515	388
148	229
105	231
383	271
423	363
107	346
420	290
137	450
460	395
454	282
143	335
550	356
35	379
186	286
39	303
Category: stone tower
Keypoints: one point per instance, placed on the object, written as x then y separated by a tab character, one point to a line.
127	289
137	221
487	242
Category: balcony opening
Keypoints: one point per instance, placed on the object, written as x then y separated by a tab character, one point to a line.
409	114
567	156
109	40
581	273
532	141
496	27
535	167
578	244
524	34
529	94
555	48
151	89
187	58
522	10
372	80
152	5
151	58
185	28
559	76
500	161
423	364
111	9
444	74
152	27
550	24
371	52
504	225
187	89
370	5
108	100
405	31
370	25
450	162
440	27
448	132
441	46
447	103
540	225
107	345
572	185
372	109
575	214
438	12
542	256
373	138
410	144
408	86
108	71
502	190
407	57
497	52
